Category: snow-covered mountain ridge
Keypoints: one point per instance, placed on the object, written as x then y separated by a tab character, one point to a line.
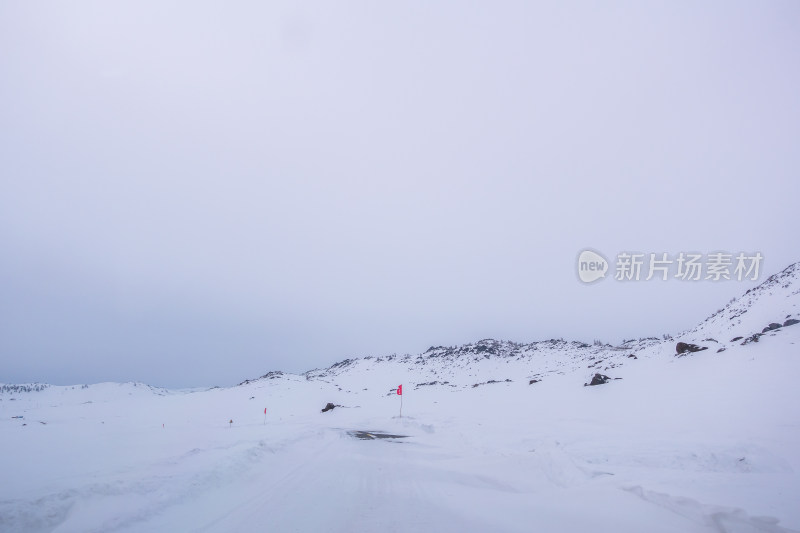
775	301
744	319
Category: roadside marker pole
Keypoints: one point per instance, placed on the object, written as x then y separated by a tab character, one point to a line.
400	393
265	416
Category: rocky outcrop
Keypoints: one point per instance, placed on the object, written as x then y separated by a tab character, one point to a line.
684	347
598	379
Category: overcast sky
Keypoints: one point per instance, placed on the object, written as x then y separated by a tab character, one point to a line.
195	193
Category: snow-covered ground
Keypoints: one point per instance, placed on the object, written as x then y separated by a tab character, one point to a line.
705	442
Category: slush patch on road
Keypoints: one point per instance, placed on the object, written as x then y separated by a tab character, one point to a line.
372	435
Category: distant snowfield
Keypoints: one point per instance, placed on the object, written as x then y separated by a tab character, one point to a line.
709	442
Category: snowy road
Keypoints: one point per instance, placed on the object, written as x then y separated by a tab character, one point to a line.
331	482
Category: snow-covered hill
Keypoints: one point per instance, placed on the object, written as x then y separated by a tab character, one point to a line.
775	303
495	436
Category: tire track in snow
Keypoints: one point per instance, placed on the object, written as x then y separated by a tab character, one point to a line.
717	518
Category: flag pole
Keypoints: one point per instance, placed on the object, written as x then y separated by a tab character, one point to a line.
400	393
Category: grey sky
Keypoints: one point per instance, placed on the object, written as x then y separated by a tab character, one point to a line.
195	193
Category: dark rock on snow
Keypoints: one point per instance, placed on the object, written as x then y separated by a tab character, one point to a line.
791	322
752	338
598	379
684	347
328	407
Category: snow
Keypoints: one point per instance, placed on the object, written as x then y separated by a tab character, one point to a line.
707	442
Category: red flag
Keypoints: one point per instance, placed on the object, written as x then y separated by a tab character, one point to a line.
265	410
400	390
